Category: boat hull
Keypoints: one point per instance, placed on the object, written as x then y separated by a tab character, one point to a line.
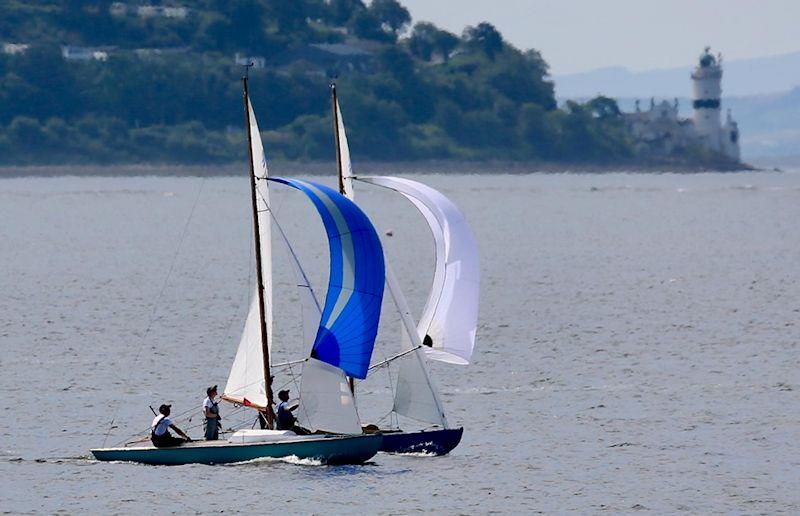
434	442
355	449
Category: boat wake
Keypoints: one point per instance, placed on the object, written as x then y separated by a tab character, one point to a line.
80	459
426	455
291	459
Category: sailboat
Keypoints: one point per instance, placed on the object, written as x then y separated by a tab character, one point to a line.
342	344
448	325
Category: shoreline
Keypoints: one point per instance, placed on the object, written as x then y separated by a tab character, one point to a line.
322	168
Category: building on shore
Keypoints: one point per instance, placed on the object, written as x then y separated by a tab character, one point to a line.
75	53
661	131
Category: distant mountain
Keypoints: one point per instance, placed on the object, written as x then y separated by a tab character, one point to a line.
742	77
770	124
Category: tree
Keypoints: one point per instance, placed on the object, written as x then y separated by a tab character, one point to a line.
536	131
445	43
397	62
392	16
484	37
184	104
522	84
366	25
291	16
421	41
342	11
25	132
604	108
427	40
241	28
382	21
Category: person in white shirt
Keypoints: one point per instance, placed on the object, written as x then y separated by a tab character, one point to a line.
159	430
211	413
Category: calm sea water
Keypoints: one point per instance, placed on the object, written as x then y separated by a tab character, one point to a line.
638	346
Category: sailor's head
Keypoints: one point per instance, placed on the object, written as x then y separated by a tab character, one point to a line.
212	391
164	409
284	395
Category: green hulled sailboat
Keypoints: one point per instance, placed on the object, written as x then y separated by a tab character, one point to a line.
341	347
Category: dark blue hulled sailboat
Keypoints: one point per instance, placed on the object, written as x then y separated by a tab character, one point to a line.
342	343
447	327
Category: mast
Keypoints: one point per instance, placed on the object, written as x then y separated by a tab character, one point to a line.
259	275
335	108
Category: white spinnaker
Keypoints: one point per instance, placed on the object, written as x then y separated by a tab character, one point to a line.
326	402
246	379
450	316
344	156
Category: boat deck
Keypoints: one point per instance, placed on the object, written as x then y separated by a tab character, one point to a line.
202	443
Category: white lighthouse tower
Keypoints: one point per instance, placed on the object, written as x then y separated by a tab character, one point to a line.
707	92
707	95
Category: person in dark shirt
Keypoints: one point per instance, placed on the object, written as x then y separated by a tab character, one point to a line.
284	419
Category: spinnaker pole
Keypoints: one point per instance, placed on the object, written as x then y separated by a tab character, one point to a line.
259	274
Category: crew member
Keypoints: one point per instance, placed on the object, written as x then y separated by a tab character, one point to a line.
211	413
285	420
159	430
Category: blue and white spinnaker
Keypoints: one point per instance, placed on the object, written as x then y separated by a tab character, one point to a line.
349	321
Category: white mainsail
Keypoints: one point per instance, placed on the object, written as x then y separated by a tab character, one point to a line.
415	394
450	316
326	403
343	152
246	379
412	397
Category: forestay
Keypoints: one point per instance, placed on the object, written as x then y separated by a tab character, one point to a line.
349	322
450	316
311	310
246	380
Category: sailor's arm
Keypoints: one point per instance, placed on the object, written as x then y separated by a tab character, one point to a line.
180	432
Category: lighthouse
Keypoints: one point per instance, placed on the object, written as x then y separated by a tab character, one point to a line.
706	100
661	131
707	92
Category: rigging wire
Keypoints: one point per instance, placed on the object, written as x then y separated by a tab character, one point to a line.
240	409
178	418
237	308
153	317
293	380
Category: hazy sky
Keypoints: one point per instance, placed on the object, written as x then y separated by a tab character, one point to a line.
581	35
